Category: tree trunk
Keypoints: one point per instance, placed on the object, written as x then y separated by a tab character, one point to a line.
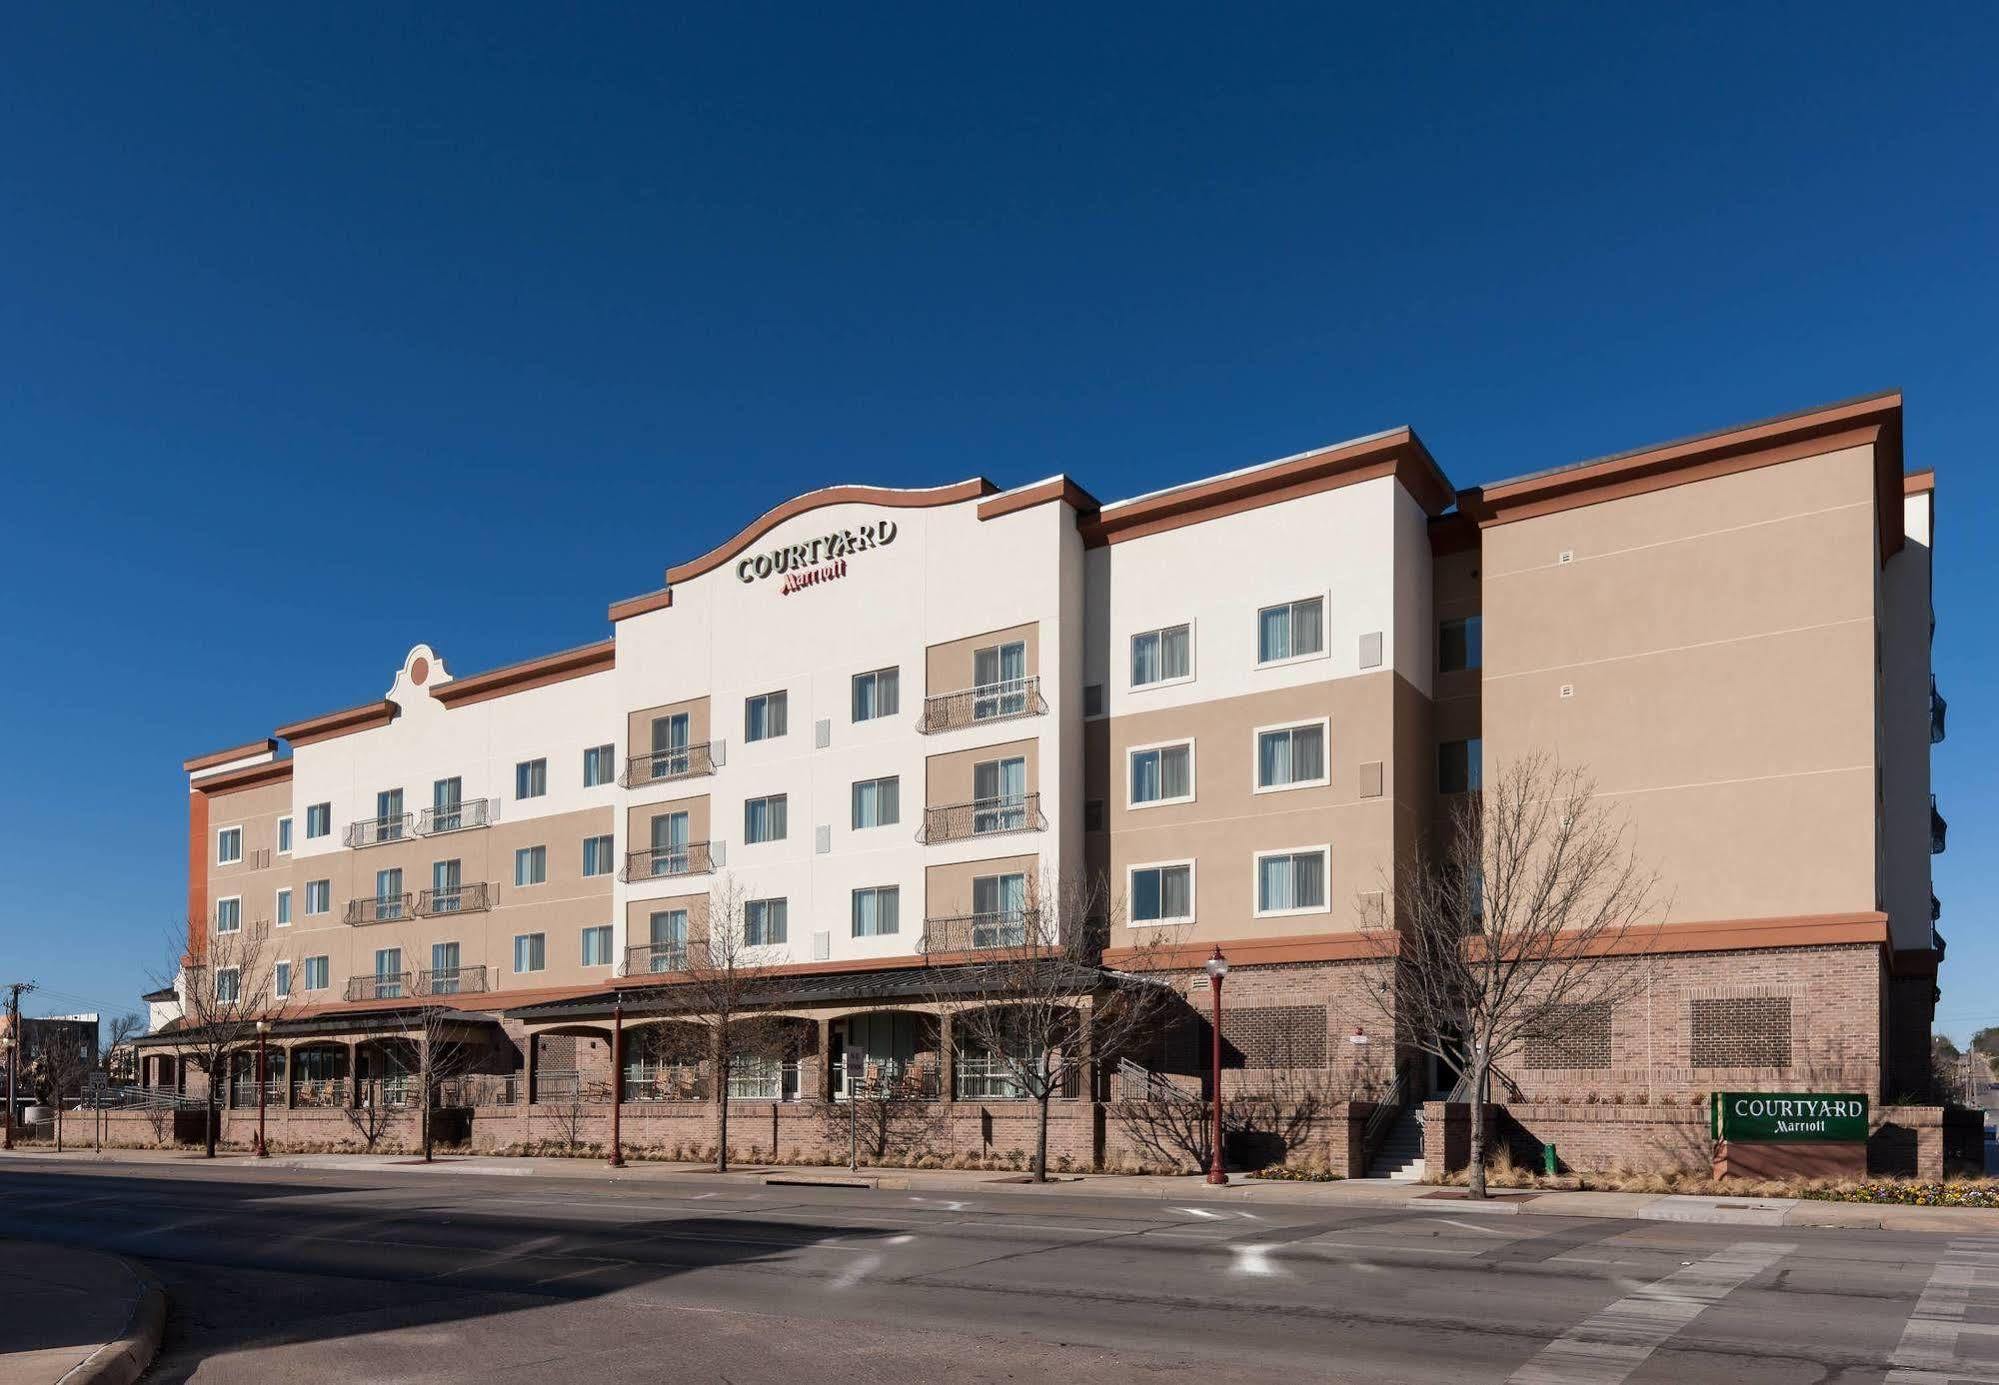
426	1127
722	1126
1475	1175
1041	1137
208	1133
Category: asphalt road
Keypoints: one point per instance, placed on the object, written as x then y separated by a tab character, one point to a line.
278	1275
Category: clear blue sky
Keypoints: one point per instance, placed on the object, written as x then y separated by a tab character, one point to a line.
322	336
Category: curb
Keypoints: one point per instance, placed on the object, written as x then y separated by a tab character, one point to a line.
125	1359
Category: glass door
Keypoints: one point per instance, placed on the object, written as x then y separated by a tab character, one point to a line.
446	805
669	844
444	968
669	746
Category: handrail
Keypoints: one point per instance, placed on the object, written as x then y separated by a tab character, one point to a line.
375	831
654	959
674	762
474	898
1002	701
982	817
467	980
1380	1118
978	932
659	863
392	985
367	909
458	817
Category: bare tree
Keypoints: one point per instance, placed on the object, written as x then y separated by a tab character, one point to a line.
727	987
368	1114
61	1064
1520	922
227	988
1033	1009
119	1059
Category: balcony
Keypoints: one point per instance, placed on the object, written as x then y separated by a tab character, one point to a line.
392	908
982	817
451	981
975	932
375	831
665	766
391	985
1018	697
659	863
466	899
458	817
1937	709
654	959
1939	829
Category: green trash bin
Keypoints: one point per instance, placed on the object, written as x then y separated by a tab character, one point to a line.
1548	1161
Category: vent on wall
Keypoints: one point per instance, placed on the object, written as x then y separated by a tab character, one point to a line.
1093	815
822	733
1093	699
1370	649
1370	779
823	840
822	946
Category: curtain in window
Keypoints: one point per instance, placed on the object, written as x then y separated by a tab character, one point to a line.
875	803
1308	753
1274	883
1145	895
669	928
1174	648
1273	758
1175	773
1145	659
1175	896
1145	777
764	819
1307	636
1273	635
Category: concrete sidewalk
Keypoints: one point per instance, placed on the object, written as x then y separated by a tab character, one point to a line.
75	1316
1370	1192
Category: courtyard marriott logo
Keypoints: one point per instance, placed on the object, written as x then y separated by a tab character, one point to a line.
817	560
1758	1116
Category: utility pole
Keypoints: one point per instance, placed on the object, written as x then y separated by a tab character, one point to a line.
14	991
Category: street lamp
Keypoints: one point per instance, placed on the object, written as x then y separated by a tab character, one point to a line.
7	1056
617	1081
263	1028
1218	967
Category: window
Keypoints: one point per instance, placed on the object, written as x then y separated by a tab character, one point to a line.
388	973
999	907
670	759
531	778
1460	645
447	805
876	911
597	946
228	915
388	895
389	815
1162	894
763	716
318	897
447	891
531	865
445	973
1458	769
1291	882
999	791
530	952
1291	757
764	922
281	980
596	856
600	765
284	909
1162	774
1162	656
877	802
316	970
228	846
1294	630
999	676
876	693
284	836
764	819
669	844
667	935
318	820
228	985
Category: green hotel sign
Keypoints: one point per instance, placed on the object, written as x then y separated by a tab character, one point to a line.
1764	1116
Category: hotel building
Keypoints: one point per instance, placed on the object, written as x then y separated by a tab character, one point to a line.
878	716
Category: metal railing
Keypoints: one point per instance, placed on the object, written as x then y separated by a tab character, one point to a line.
243	1095
982	817
458	817
1133	1082
952	711
658	863
1937	709
890	1079
566	1088
1939	829
392	908
665	766
451	981
402	1090
322	1091
978	932
475	898
375	831
654	959
394	985
986	1079
665	1082
752	1079
1379	1119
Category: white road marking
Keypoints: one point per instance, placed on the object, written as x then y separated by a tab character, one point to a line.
1967	1277
861	1268
1252	1260
1609	1345
1482	1230
1197	1211
901	1240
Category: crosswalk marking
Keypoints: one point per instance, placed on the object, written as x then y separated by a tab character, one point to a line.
1609	1345
1966	1278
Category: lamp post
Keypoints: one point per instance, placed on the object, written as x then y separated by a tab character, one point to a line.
617	1081
7	1054
1218	967
263	1028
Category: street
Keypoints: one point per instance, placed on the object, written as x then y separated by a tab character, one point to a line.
304	1275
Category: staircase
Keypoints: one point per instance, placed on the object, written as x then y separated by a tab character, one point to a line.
1401	1154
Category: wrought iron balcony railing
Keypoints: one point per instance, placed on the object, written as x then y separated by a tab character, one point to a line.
659	862
655	959
1939	829
451	981
375	831
458	817
978	932
952	711
984	817
664	766
392	908
320	1091
667	1082
1937	709
475	898
388	985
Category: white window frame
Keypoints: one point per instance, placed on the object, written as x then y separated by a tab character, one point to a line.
310	809
1325	725
1193	779
768	734
1193	667
610	855
1324	651
1325	850
528	765
766	799
611	780
286	895
1193	892
236	975
519	938
529	851
311	912
583	944
285	829
216	922
325	961
875	781
874	674
222	832
281	980
877	891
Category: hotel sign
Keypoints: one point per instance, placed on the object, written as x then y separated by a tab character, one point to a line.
823	559
1765	1116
